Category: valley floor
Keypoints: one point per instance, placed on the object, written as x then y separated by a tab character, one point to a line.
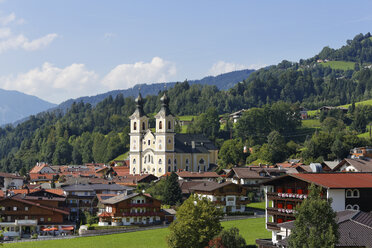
251	229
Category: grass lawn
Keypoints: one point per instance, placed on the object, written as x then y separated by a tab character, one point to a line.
122	156
311	123
259	205
251	229
186	117
339	65
184	129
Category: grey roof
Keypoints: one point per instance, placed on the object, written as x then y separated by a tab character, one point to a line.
331	164
119	198
209	186
354	227
183	143
94	187
362	165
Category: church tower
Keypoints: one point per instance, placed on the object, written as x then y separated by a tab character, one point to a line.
138	126
165	136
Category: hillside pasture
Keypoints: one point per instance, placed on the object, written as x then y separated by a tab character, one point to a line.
339	65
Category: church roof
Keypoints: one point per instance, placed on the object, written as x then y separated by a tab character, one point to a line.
139	107
164	106
183	143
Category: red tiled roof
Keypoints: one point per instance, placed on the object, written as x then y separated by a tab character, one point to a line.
24	191
338	180
44	176
197	174
121	170
38	167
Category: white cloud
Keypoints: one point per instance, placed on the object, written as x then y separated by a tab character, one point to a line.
54	84
127	75
223	67
10	41
5	20
39	43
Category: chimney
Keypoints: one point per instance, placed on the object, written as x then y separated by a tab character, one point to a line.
193	144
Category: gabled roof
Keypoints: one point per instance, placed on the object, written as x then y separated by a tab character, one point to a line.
210	186
32	191
10	175
183	143
189	174
19	199
361	165
38	167
332	180
247	173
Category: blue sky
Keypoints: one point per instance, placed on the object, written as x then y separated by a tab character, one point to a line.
58	50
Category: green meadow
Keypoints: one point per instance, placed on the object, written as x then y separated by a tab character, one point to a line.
339	65
251	229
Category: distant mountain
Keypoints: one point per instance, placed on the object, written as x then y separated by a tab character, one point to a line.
223	82
15	105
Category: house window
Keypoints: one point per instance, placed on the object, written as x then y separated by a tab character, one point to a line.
169	125
26	208
135	126
160	125
356	193
26	217
349	206
349	193
356	207
49	219
128	219
41	219
14	208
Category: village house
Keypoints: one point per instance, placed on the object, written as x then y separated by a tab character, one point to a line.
79	197
10	181
228	196
354	165
189	176
33	212
133	209
349	191
354	228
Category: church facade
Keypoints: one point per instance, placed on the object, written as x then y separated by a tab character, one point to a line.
164	150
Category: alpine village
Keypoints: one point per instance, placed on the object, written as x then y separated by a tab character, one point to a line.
276	156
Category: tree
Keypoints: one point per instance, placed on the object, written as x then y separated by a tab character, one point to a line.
231	152
228	239
172	191
310	230
62	154
197	222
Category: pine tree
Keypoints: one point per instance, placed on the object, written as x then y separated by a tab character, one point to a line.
315	224
172	191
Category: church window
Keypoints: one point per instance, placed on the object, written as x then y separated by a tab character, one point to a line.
169	168
187	168
135	126
143	126
152	159
187	161
198	168
160	124
169	125
169	161
160	162
205	168
134	161
153	169
134	170
148	157
175	168
159	147
159	169
148	142
201	161
145	160
175	161
169	141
